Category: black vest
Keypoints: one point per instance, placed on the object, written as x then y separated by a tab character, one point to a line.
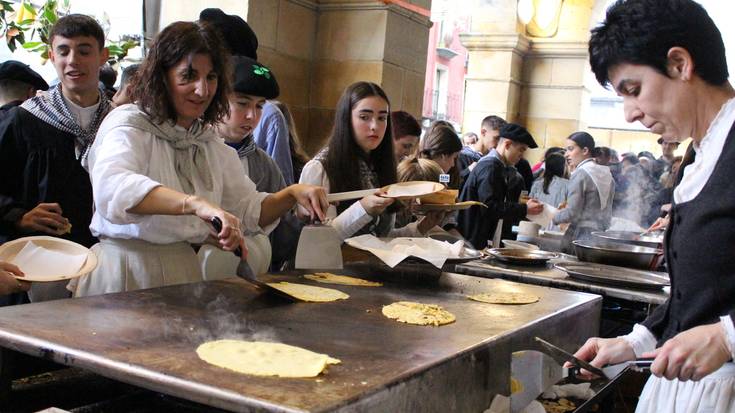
700	247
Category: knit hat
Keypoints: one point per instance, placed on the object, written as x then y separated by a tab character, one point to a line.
517	133
239	38
253	78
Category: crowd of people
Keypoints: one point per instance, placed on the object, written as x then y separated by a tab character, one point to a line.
194	133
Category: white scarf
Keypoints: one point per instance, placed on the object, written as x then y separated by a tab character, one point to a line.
601	177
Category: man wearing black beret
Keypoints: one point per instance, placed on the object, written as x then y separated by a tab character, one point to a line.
496	183
18	82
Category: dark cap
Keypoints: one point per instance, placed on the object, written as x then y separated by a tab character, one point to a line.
517	133
15	70
252	78
239	38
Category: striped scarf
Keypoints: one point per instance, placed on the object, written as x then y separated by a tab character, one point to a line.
50	107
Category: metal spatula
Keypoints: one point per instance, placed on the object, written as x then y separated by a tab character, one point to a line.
320	247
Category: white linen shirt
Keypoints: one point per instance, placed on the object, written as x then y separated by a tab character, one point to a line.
127	163
355	216
695	177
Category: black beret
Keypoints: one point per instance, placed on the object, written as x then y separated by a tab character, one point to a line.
252	78
239	38
517	133
15	70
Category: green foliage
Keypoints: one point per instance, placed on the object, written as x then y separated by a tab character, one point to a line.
31	23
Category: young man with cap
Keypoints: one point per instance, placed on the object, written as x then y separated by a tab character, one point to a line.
18	83
496	183
44	143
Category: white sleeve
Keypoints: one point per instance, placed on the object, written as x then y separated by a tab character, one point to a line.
729	328
351	219
118	162
641	339
239	195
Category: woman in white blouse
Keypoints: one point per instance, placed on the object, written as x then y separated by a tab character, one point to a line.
160	174
360	156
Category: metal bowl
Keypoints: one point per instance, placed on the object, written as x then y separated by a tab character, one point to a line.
632	238
615	253
522	256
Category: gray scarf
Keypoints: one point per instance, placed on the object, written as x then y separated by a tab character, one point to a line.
50	107
190	155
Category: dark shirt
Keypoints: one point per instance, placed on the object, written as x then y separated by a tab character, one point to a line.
698	244
497	186
524	168
5	109
467	156
39	165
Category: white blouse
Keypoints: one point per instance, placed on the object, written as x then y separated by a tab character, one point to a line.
127	163
354	217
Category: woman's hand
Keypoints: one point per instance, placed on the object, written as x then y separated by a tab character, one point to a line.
8	283
661	223
312	199
600	352
691	354
430	220
230	237
374	204
534	207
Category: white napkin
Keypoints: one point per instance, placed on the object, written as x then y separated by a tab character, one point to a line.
545	217
37	261
398	249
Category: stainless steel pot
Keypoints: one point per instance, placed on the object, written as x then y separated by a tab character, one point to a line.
632	238
615	253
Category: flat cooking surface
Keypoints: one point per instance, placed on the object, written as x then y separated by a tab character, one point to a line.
149	337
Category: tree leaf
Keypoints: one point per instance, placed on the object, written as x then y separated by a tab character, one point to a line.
31	45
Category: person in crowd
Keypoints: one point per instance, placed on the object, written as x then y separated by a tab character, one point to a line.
590	192
497	184
418	169
359	156
44	144
442	145
406	134
488	140
440	123
665	57
108	77
161	174
469	138
602	155
538	168
470	153
122	96
252	84
662	165
524	169
18	83
44	187
551	188
9	284
299	158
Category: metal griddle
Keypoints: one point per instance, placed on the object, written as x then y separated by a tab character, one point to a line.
148	338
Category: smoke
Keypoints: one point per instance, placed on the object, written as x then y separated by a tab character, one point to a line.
224	318
638	197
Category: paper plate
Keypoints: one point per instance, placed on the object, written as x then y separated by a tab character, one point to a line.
411	189
9	250
447	207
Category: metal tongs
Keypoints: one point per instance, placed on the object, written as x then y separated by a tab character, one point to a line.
609	372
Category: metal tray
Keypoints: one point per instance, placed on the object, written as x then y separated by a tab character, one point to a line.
521	256
630	237
619	276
